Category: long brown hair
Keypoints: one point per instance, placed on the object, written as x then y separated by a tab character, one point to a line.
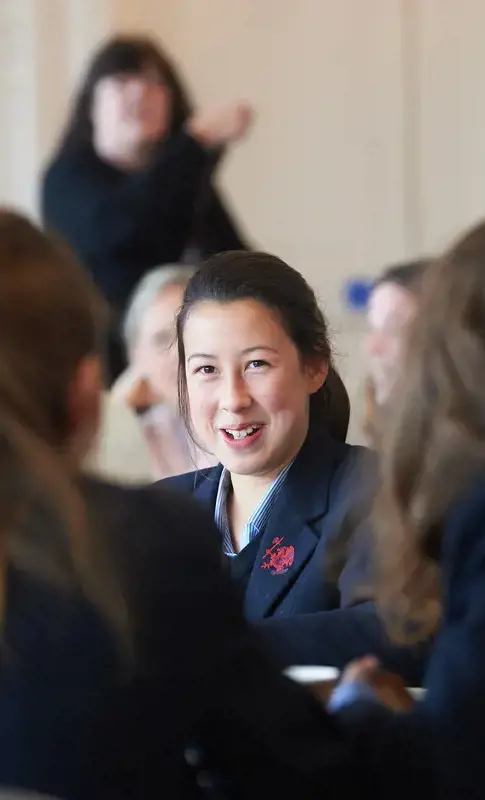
433	442
51	318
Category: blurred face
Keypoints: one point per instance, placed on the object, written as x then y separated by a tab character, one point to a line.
155	354
391	310
248	389
130	110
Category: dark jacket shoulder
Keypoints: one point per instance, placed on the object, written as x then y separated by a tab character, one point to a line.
346	462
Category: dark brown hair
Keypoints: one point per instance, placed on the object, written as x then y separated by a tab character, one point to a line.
434	440
51	319
121	55
240	275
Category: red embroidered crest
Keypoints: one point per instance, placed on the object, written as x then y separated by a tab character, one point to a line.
278	559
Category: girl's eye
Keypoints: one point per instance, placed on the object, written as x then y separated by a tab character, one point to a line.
257	363
205	370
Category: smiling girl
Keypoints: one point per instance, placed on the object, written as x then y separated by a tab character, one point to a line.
255	357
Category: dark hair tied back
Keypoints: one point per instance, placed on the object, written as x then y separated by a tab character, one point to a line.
239	275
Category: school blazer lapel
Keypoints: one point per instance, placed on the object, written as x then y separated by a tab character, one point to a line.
289	540
206	484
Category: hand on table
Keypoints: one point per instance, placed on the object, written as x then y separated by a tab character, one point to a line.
390	689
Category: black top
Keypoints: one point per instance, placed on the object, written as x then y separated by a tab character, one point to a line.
75	725
121	224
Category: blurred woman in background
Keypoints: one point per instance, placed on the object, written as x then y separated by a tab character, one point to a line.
121	637
391	309
430	543
392	306
130	184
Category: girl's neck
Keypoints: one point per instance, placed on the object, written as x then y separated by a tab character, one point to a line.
249	490
246	495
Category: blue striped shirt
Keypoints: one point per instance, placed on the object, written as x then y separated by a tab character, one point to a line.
258	519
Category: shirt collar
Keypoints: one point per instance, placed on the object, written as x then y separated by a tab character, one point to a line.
259	517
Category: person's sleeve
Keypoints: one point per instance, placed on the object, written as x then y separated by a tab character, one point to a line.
334	638
97	214
353	537
357	577
350	692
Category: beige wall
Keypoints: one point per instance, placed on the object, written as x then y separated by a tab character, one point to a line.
43	45
370	134
451	116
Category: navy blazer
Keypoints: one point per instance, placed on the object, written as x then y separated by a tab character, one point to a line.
440	746
81	719
322	512
322	572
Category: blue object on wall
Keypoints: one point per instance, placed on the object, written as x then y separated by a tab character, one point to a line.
356	293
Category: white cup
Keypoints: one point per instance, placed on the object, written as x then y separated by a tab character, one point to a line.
318	680
307	675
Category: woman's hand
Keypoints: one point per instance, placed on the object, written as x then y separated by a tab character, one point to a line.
225	125
362	670
389	688
133	390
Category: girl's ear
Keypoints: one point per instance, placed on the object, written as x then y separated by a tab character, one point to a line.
317	372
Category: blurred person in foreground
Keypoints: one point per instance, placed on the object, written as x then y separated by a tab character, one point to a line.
430	544
130	183
158	446
121	636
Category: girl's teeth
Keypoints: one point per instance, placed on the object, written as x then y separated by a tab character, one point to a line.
242	433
